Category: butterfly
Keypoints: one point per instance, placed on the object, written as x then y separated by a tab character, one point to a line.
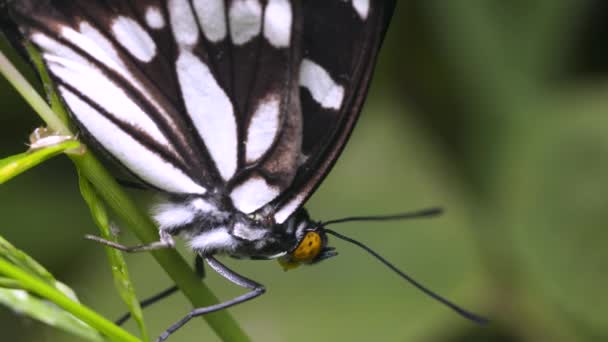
234	110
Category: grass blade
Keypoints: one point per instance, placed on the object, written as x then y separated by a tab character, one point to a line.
47	312
25	262
41	288
122	282
12	166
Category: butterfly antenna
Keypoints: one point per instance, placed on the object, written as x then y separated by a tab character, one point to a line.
423	213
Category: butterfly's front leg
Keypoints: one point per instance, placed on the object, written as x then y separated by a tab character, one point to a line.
166	241
224	271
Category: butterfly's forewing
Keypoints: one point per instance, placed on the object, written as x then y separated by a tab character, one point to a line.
253	100
174	89
113	90
340	43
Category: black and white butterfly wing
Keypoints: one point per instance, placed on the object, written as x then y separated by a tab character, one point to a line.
252	100
340	44
184	94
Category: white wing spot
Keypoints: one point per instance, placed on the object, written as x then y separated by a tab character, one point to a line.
322	87
253	194
277	23
154	18
263	128
143	162
211	16
245	20
210	110
362	8
283	214
185	29
134	38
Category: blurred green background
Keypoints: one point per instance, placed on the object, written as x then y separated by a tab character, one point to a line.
495	110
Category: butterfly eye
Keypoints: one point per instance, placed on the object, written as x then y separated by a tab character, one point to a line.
306	252
309	248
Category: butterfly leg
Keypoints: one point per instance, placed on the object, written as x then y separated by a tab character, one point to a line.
166	241
256	290
199	266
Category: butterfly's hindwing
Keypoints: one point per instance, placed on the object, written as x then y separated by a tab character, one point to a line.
252	100
335	73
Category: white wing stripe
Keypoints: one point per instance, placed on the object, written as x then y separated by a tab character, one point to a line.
102	91
143	162
277	23
89	40
183	23
253	194
245	20
75	70
262	129
322	87
211	111
134	38
100	48
211	16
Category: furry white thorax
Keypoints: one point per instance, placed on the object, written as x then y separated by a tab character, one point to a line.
213	241
171	215
245	232
209	228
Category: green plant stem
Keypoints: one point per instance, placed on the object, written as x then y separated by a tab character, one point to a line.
176	267
13	166
31	96
85	314
120	272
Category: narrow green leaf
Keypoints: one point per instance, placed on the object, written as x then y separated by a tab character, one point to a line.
122	282
32	97
9	283
47	312
54	100
25	262
25	276
28	264
36	286
14	165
